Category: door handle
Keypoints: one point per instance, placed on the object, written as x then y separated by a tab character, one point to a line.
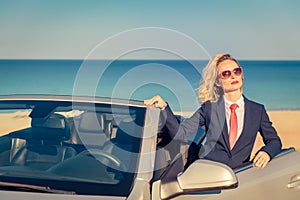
294	182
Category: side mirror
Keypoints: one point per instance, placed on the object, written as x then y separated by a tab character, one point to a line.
204	175
200	176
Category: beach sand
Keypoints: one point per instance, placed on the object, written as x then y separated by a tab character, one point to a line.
286	123
14	121
288	127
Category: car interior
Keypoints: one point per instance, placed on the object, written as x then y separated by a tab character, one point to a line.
57	137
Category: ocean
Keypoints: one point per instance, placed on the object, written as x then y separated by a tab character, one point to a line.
276	84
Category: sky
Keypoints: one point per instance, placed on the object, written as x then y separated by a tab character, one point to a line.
72	29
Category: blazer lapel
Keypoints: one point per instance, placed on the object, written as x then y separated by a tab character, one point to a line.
220	112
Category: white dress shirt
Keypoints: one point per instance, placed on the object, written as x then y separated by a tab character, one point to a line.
240	111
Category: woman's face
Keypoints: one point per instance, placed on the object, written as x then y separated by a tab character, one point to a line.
230	78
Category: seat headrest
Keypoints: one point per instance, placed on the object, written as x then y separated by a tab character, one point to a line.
90	122
53	127
53	121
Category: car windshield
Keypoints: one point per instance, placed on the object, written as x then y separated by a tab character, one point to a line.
86	148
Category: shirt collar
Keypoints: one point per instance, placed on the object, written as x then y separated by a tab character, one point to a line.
239	102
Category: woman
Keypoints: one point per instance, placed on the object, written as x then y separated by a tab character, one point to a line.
231	121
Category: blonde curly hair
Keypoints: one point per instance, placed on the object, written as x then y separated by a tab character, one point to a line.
210	88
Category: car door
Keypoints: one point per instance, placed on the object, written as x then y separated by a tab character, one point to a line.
280	179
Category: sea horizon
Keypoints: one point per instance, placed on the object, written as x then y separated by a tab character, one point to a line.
274	83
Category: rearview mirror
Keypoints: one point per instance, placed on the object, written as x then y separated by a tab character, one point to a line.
204	175
200	176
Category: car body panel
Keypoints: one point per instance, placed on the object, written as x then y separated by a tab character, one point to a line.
13	195
255	183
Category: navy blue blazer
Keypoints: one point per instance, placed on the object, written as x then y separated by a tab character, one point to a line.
216	147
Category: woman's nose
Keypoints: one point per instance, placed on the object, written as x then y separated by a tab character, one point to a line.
233	76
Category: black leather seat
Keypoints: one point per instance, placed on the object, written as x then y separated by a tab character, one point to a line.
44	146
125	145
90	130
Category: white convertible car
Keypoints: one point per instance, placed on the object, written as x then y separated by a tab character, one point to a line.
66	147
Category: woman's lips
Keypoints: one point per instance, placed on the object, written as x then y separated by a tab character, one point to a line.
234	82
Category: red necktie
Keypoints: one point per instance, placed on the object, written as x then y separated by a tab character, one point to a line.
233	125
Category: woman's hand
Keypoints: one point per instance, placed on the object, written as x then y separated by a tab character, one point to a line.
157	101
261	159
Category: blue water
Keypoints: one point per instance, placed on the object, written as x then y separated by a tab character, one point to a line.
276	84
